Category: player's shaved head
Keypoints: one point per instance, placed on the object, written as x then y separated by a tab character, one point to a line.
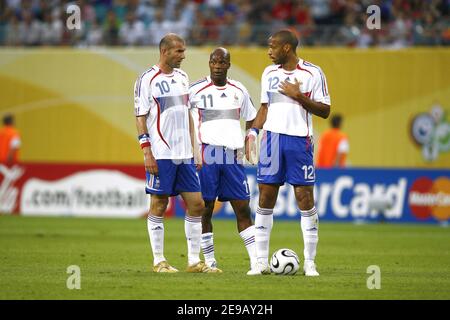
169	40
219	63
221	52
286	37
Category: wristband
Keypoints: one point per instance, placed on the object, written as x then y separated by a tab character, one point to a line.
253	131
144	140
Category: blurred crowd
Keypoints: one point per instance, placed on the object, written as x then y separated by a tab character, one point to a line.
226	22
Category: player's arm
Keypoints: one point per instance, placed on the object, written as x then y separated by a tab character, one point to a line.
252	129
144	139
194	142
292	90
261	116
249	124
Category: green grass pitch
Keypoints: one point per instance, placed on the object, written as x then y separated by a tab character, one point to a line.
115	261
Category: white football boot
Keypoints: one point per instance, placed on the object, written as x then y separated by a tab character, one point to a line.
259	268
309	269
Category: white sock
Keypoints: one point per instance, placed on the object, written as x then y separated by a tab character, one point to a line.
193	231
248	236
263	227
207	245
310	229
155	229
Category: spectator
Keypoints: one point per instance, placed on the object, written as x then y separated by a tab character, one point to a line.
94	36
146	12
131	32
404	23
30	30
229	30
348	33
400	30
333	146
12	31
111	29
9	142
157	29
52	29
177	24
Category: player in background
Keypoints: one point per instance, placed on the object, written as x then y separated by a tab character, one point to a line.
166	135
333	146
9	141
218	103
292	90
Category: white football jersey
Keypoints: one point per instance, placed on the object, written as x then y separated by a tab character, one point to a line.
217	112
285	115
163	98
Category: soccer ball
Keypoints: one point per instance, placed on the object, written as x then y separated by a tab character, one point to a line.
284	262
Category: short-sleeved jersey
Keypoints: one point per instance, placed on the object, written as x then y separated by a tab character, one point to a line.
9	140
217	112
164	100
331	143
285	115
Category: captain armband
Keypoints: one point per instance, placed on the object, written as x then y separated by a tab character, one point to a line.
144	140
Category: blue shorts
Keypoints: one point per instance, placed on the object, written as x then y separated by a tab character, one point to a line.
285	158
222	175
175	176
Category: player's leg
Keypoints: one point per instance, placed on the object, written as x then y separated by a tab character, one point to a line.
245	227
159	188
271	174
300	173
209	180
155	227
193	230
207	225
207	242
234	187
309	225
188	186
268	194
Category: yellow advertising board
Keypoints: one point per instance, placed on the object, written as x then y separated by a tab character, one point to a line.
76	105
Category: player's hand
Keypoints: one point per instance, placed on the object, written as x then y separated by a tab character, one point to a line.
240	154
198	160
150	164
250	149
290	89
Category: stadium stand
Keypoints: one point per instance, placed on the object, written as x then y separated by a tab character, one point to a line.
225	22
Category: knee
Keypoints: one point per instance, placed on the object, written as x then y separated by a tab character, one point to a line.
196	207
305	198
243	213
159	206
267	200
